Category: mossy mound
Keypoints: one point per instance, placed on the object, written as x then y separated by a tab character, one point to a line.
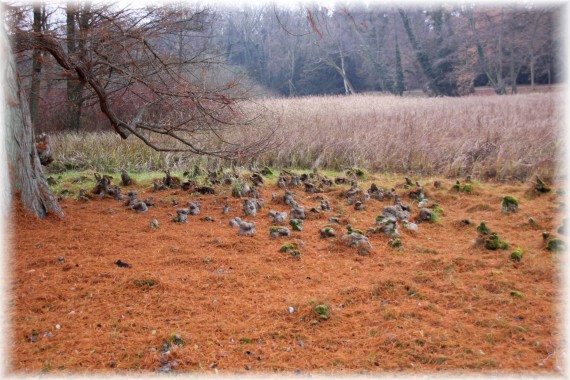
351	230
322	311
541	187
517	254
295	253
510	204
292	249
556	244
328	232
483	229
464	188
493	242
296	224
396	243
288	247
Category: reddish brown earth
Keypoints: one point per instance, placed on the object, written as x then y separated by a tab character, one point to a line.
437	304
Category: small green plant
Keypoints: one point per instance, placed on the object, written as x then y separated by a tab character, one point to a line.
296	224
396	243
510	204
145	283
517	254
292	249
357	172
541	187
516	293
322	311
245	341
434	215
465	188
354	230
556	244
295	253
493	242
483	229
288	247
437	208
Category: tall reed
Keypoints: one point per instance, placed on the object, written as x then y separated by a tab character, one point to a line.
505	137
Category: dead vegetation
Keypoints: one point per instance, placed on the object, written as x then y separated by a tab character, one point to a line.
487	137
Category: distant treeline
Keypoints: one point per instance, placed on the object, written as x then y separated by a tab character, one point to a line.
444	50
137	55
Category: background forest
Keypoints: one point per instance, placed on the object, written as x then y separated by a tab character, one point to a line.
277	51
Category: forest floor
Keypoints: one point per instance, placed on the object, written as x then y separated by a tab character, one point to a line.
198	297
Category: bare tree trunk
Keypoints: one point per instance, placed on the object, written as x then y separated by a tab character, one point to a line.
495	77
421	55
399	88
532	71
292	89
513	72
531	46
372	53
25	171
74	87
500	90
36	66
348	89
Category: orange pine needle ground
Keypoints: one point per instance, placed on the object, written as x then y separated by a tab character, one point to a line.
439	303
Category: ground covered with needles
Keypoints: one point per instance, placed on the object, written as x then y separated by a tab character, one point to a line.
105	290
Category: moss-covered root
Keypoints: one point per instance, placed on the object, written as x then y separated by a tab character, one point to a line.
493	242
540	186
328	232
555	244
292	249
296	224
510	204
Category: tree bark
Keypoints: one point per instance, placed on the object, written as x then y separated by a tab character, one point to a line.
24	168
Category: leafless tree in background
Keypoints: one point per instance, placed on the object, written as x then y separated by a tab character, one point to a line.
165	98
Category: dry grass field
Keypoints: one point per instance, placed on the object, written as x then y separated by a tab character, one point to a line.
492	137
504	137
